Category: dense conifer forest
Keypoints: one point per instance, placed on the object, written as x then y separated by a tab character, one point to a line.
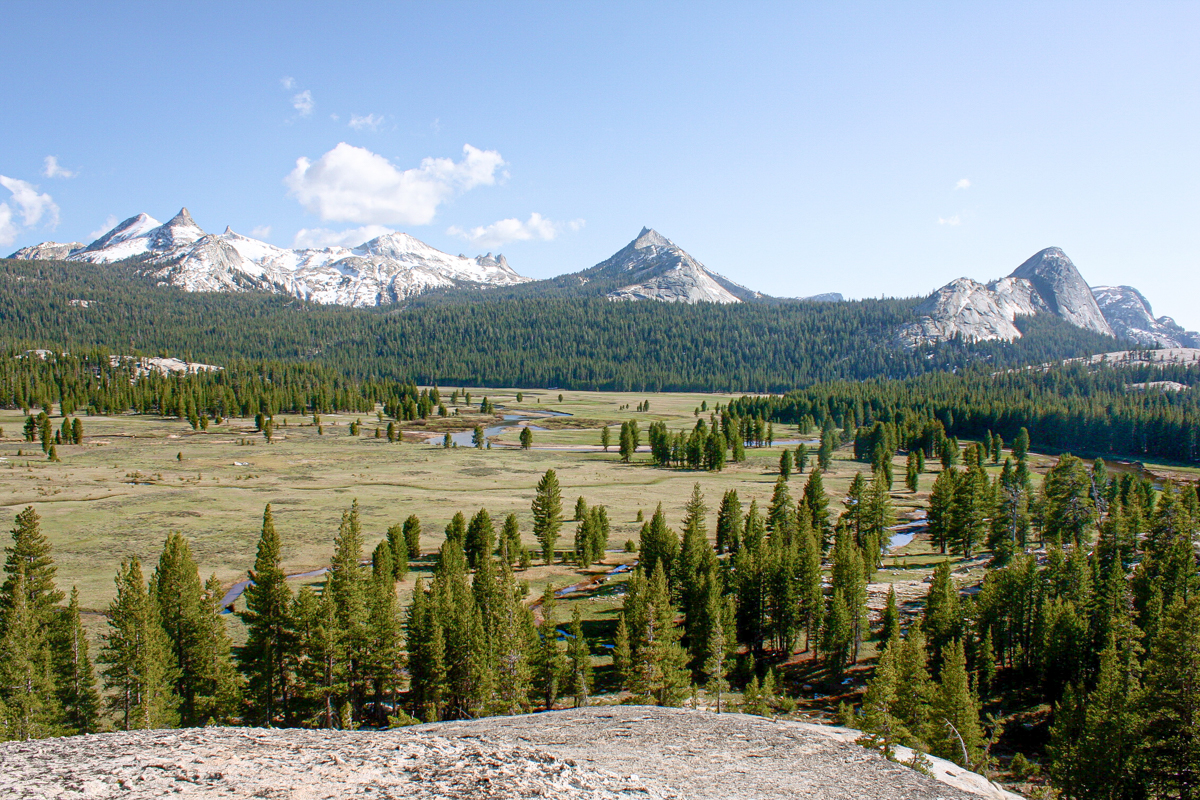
587	343
1104	410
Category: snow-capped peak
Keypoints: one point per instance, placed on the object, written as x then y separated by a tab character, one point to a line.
386	269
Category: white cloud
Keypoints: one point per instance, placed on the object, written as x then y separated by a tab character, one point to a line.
29	203
287	82
317	238
303	103
109	223
963	183
261	232
949	220
32	204
369	121
53	170
352	184
8	229
514	230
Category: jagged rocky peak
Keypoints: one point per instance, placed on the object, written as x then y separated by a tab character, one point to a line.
651	238
1063	289
1129	314
1046	283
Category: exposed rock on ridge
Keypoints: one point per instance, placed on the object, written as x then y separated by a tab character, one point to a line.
1128	313
386	269
48	251
599	752
658	269
1046	283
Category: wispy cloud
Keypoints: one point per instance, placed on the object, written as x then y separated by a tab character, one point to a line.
27	201
514	230
303	103
949	220
53	170
316	238
963	183
109	223
352	184
371	121
261	232
287	82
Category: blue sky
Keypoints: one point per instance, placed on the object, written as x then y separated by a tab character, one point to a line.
796	148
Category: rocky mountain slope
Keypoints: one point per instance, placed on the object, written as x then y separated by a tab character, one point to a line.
1128	313
1047	283
609	753
386	269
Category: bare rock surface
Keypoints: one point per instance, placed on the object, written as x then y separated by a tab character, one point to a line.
601	752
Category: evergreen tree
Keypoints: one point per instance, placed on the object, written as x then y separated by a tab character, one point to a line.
817	503
26	679
913	689
729	522
812	593
511	538
383	656
882	727
426	655
138	673
320	665
412	536
480	539
663	672
1172	705
957	736
579	662
74	675
605	437
347	589
719	645
547	514
264	657
549	664
940	515
658	544
456	531
1020	447
30	555
890	631
912	475
1070	509
398	550
526	438
785	464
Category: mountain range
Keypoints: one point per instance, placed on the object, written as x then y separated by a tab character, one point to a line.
397	267
387	269
1046	283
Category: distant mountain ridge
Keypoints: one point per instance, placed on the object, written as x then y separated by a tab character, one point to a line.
387	269
1046	283
391	268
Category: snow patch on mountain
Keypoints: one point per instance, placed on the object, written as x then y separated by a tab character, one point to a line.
386	269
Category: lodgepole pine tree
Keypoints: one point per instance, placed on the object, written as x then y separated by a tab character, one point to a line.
549	665
138	673
579	662
547	514
264	657
26	680
74	675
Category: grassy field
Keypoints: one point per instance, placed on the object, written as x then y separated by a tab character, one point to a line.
136	478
